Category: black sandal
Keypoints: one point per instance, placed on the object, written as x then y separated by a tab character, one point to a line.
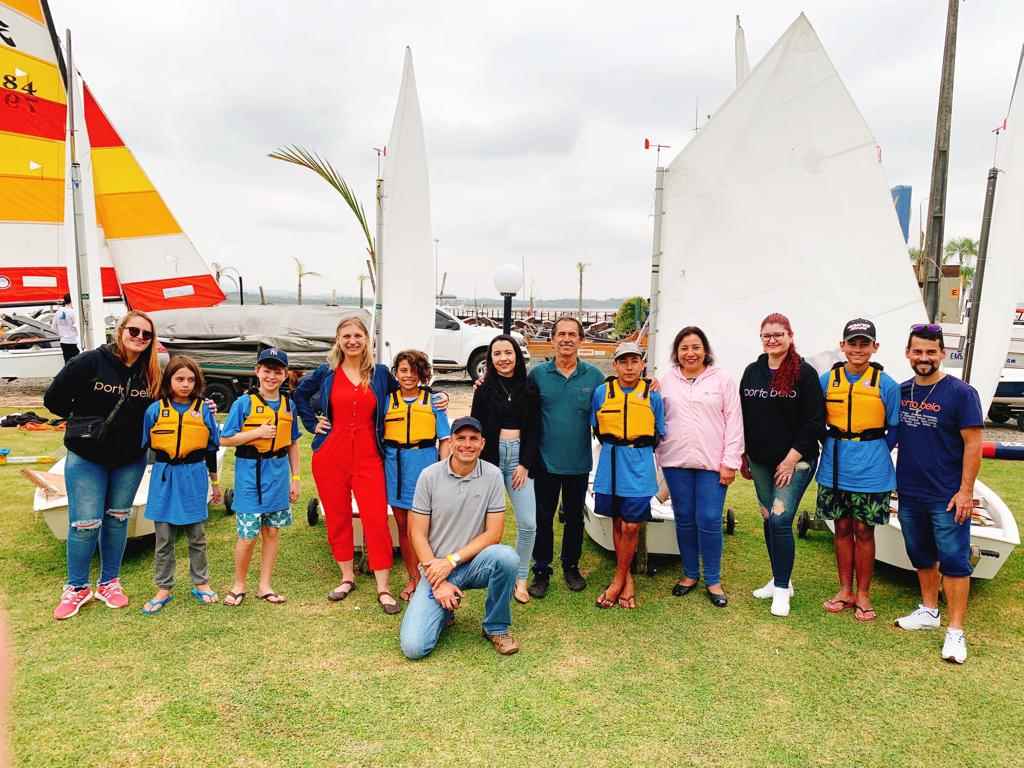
339	594
392	609
238	597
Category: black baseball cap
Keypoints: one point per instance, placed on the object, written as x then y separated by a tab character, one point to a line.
466	421
273	356
860	328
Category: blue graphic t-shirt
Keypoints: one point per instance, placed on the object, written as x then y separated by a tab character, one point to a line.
931	450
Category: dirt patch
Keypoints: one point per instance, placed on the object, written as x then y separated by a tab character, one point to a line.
23	393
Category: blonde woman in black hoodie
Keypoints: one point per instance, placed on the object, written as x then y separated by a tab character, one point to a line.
103	393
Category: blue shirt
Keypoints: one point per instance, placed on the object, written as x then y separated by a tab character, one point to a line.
276	473
635	474
930	461
178	492
565	416
864	467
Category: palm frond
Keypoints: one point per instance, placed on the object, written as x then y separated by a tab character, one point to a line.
322	167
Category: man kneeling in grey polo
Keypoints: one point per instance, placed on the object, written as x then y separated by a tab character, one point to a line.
459	516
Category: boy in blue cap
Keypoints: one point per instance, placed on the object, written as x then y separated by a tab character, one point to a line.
262	428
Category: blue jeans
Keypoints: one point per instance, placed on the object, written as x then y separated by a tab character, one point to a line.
697	500
494	568
781	504
524	503
99	504
932	535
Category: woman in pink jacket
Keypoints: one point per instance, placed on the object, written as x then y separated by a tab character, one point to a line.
699	455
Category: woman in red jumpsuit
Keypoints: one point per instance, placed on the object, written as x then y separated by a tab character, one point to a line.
342	403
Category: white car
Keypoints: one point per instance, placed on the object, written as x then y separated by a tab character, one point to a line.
460	346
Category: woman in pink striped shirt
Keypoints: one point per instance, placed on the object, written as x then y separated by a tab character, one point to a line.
699	455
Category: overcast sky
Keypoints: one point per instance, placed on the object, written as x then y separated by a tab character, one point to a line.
534	115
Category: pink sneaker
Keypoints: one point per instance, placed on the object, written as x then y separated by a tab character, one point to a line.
71	600
112	594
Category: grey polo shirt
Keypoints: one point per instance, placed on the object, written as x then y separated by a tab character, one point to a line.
457	506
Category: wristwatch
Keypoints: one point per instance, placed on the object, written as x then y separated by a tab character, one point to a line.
453	558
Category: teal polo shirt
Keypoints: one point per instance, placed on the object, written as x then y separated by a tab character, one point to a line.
565	416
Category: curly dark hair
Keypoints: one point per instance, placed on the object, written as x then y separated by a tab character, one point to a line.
417	360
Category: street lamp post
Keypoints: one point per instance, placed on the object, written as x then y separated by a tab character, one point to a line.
508	280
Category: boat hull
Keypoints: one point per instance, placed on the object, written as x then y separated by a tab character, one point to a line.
33	363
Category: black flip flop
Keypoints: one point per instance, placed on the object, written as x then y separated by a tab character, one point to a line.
273	598
238	596
339	594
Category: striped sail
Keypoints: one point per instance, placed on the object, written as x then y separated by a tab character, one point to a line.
33	115
157	265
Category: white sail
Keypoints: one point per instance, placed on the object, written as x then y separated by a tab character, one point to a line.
742	60
1004	275
408	269
780	205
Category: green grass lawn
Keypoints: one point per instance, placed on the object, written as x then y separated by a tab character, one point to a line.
676	682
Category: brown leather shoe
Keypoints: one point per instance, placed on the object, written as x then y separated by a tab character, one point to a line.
506	645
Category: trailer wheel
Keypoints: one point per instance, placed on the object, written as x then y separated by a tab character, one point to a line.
730	522
222	393
803	524
1020	421
477	366
313	511
999	414
229	500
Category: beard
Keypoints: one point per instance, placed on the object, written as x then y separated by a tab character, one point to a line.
925	368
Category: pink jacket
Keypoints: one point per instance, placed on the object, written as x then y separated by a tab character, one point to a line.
703	421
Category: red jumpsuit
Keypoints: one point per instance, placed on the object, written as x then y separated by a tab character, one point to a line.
348	462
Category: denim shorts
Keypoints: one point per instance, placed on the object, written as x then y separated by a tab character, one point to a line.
932	535
248	524
632	509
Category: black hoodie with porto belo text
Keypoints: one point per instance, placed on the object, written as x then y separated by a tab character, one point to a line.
91	384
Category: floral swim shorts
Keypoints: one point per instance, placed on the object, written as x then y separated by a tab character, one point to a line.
248	524
869	508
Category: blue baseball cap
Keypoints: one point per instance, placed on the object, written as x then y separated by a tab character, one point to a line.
466	421
273	355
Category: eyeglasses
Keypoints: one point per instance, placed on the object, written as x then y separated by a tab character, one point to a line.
134	331
771	336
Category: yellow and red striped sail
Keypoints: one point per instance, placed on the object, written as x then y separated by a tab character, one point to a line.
33	116
157	265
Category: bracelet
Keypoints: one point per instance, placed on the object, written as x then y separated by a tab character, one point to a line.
451	559
295	477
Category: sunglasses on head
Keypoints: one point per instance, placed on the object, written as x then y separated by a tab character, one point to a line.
926	327
135	332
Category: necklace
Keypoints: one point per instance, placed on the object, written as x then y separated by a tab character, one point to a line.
508	395
913	399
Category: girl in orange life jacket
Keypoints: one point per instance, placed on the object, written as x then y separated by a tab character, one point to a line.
412	426
182	432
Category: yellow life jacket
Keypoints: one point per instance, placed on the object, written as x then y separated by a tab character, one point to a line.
855	410
259	414
626	418
180	438
409	425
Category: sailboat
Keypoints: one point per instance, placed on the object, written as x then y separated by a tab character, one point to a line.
781	198
133	246
136	251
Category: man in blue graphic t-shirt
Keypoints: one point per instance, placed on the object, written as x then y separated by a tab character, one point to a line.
938	461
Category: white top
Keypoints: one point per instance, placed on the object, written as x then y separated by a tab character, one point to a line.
65	324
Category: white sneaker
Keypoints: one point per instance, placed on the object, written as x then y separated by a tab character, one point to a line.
780	602
922	618
768	590
955	647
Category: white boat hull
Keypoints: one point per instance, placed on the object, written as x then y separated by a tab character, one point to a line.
55	509
33	363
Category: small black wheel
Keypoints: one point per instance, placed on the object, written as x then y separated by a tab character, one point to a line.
999	414
313	511
477	366
803	524
730	522
222	393
229	500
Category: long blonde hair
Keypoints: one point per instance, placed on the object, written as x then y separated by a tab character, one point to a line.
336	354
152	362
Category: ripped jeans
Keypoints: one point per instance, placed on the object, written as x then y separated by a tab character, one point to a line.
99	504
782	504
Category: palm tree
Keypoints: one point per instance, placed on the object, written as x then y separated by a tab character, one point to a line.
965	251
301	273
303	157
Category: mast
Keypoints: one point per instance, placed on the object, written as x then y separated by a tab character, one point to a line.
979	277
378	305
940	169
652	316
84	318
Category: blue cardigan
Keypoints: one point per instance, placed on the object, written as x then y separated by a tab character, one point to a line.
313	395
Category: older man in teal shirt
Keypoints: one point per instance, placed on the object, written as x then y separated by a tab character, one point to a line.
566	387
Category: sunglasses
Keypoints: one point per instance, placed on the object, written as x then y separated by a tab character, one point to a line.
135	332
926	327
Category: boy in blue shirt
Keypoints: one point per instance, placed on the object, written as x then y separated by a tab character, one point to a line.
263	430
629	419
856	476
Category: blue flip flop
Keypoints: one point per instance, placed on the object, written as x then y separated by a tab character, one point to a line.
155	606
200	594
